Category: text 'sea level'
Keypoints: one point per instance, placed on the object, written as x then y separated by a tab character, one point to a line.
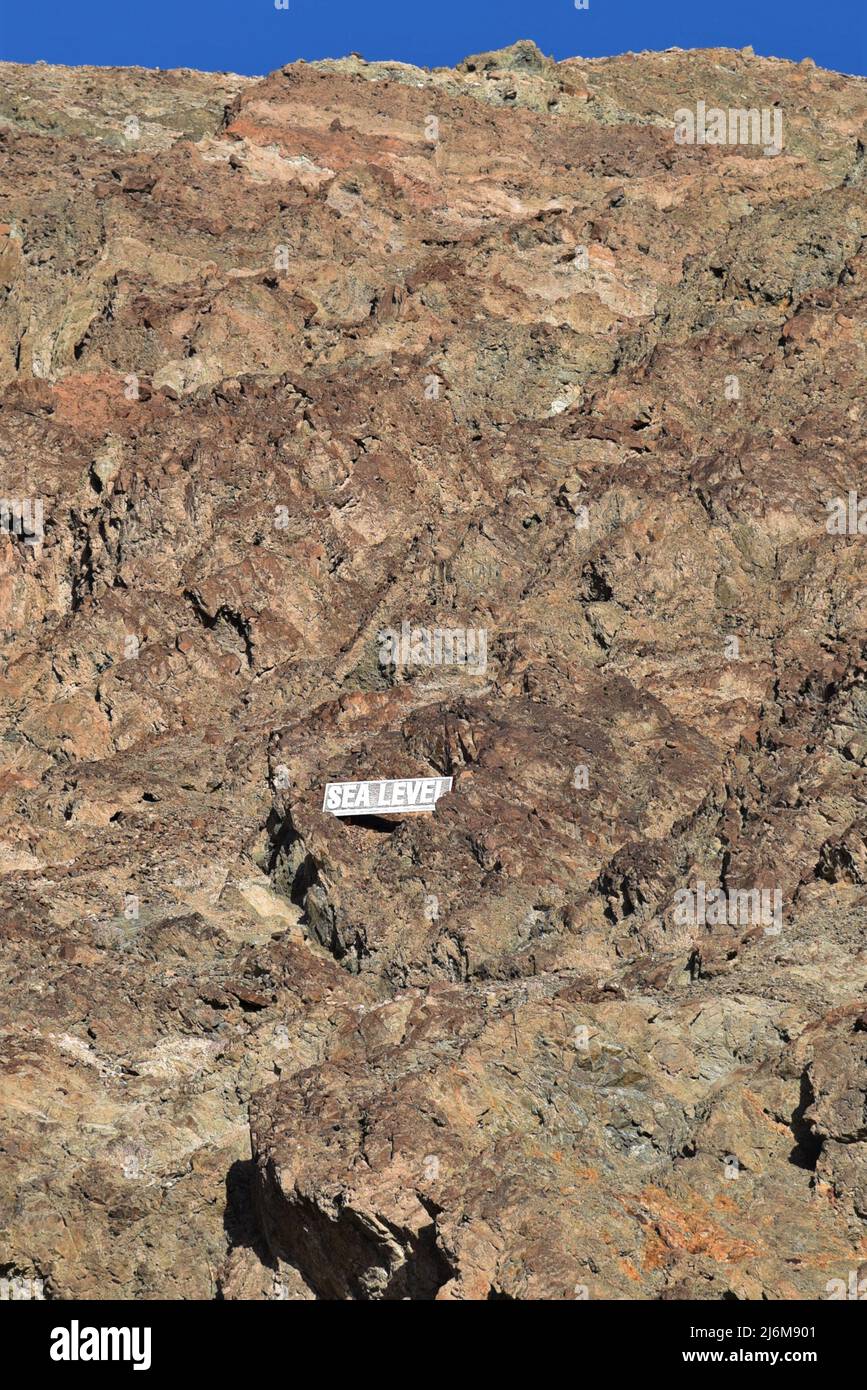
376	798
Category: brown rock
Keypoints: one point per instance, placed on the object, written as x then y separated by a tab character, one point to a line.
529	370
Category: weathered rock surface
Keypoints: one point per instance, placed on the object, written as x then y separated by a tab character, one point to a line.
289	362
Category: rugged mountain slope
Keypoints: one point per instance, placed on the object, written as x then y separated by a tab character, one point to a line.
289	362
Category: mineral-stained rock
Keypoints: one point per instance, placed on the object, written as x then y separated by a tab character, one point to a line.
290	364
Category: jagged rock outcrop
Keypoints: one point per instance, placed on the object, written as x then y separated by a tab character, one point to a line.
288	363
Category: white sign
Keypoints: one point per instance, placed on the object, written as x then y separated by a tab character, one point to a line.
377	798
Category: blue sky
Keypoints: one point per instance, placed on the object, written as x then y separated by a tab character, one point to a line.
252	36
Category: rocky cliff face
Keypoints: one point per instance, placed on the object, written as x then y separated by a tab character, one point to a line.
287	364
